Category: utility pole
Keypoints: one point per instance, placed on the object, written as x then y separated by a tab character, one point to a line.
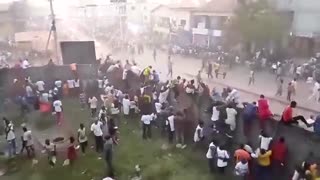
54	31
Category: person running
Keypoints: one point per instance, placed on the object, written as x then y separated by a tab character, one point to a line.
264	163
242	169
315	92
288	118
82	138
51	150
126	105
171	127
71	152
170	64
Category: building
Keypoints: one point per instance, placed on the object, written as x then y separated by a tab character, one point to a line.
203	23
305	28
6	22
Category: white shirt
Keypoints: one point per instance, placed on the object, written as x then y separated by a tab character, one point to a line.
233	96
25	64
265	142
209	152
135	69
40	85
93	102
10	135
45	97
58	83
158	107
27	136
163	96
170	122
299	70
196	137
100	83
146	119
96	129
76	83
241	169
70	83
316	87
29	91
82	135
222	154
124	74
215	114
57	104
231	115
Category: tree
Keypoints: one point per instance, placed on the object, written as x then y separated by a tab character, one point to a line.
258	23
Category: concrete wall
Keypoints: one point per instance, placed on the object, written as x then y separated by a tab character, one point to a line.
176	15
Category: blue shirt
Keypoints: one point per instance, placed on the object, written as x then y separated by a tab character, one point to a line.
316	125
249	112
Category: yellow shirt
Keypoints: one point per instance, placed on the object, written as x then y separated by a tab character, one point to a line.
264	159
147	72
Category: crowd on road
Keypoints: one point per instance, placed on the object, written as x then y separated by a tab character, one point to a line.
152	100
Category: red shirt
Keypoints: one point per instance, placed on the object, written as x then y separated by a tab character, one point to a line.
287	114
241	154
279	151
263	109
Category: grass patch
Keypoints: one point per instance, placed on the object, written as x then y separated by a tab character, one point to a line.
155	163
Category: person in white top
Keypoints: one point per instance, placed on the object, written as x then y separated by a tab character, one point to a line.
295	85
231	117
40	86
10	137
222	159
265	141
211	156
242	168
215	117
97	132
57	105
27	138
70	84
126	105
233	96
146	125
93	103
25	64
82	138
315	92
198	134
158	106
58	83
29	91
163	94
171	128
76	87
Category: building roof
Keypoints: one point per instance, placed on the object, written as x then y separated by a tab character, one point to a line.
211	6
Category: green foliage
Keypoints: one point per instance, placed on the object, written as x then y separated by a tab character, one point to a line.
258	22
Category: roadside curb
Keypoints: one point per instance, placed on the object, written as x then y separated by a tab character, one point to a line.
256	94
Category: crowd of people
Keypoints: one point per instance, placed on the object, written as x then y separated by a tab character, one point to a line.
152	100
